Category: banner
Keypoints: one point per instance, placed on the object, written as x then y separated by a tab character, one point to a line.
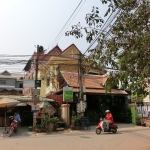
67	94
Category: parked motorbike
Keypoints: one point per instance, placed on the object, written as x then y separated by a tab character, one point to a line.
13	126
112	128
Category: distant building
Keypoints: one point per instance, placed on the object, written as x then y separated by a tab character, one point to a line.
10	83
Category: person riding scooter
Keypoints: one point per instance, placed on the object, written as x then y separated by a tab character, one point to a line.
108	119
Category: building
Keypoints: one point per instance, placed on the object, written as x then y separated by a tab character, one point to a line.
66	61
30	68
11	83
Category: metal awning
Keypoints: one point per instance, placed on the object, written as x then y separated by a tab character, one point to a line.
27	99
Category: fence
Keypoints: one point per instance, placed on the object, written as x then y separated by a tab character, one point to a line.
142	111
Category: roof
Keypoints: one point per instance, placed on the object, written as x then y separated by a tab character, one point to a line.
42	57
8	75
92	83
89	81
25	98
102	91
72	45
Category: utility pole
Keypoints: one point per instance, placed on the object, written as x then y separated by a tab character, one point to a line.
80	74
37	61
36	77
80	79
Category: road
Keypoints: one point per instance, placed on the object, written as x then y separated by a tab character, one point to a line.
127	138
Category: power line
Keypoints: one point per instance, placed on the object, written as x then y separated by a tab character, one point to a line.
70	22
67	22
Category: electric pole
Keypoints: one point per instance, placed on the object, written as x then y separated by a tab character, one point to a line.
36	77
80	79
37	61
80	74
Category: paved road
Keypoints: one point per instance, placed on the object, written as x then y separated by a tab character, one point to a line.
129	137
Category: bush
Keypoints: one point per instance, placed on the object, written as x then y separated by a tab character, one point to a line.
47	120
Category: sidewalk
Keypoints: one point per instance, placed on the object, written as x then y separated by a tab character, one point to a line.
23	131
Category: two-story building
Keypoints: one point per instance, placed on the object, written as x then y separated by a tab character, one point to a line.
11	83
30	67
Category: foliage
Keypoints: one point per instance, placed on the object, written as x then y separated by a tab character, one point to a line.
138	119
125	46
47	120
95	115
54	120
122	114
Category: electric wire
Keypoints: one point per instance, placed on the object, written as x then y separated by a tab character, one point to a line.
66	22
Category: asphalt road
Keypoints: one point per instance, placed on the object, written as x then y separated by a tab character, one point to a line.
127	138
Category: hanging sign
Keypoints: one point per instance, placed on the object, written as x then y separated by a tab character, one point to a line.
67	94
37	83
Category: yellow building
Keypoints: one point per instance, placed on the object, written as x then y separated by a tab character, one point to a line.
67	61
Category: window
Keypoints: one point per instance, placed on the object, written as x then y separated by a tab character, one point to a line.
20	85
2	81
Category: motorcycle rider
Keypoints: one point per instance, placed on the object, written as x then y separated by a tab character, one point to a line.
108	119
17	118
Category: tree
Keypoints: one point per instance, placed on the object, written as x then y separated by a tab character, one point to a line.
125	46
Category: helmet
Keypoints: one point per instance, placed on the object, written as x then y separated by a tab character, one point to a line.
107	111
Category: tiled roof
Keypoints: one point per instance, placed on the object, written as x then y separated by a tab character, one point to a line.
89	81
92	83
102	91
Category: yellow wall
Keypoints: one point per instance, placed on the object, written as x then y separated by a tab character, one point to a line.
71	51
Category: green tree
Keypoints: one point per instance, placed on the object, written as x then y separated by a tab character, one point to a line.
125	47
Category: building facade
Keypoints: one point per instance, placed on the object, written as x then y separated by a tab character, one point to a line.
10	83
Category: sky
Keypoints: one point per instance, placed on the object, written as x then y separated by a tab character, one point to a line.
27	23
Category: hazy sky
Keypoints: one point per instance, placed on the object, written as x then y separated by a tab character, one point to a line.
25	23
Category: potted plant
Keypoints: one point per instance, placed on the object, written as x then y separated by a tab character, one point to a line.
52	124
43	126
73	119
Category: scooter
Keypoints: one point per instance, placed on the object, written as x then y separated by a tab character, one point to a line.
13	126
112	128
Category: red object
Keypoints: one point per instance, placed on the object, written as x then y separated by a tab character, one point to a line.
13	127
56	98
109	117
112	128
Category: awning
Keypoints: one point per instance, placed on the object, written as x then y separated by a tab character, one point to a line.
27	99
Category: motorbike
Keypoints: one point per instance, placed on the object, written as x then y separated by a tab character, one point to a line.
13	126
112	128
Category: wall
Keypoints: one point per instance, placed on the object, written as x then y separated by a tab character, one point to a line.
147	99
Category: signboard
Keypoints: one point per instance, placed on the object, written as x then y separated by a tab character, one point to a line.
50	110
35	91
28	83
37	83
35	107
67	94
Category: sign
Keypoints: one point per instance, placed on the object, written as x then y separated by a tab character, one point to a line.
67	94
35	107
50	109
37	83
35	91
28	83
